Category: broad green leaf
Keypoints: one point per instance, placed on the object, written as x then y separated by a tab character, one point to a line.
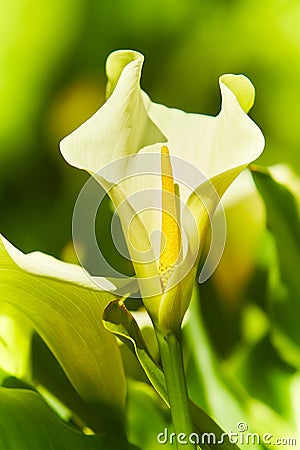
66	308
28	423
48	374
284	224
119	321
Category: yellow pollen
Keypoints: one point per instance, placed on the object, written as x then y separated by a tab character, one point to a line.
171	239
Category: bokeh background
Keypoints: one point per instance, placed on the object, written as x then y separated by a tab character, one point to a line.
52	79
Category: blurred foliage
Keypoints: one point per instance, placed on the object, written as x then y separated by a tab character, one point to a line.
52	58
24	412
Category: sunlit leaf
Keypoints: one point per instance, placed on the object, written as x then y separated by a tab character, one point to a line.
15	341
66	309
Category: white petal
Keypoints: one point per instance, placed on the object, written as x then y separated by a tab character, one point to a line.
213	144
120	127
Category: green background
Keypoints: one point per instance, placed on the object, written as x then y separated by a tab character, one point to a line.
52	78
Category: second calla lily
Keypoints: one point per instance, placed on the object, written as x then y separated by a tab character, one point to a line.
181	164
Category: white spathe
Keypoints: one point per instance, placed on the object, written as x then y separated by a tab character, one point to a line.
129	125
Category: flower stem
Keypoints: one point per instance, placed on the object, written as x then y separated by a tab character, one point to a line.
172	362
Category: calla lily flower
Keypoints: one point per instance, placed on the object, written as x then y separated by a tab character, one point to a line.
184	162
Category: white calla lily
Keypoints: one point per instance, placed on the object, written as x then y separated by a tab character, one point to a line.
129	128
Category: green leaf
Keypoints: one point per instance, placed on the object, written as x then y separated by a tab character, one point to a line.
66	308
27	423
47	372
284	224
119	321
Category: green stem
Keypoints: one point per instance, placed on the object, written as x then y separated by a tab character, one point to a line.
172	362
